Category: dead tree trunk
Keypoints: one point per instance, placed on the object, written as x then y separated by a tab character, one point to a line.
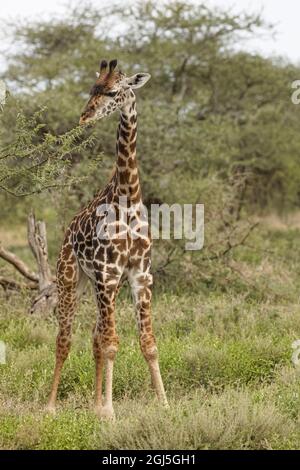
42	281
37	239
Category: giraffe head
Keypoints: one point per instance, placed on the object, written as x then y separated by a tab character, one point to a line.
112	91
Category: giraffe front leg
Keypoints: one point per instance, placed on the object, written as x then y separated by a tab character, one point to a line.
141	289
106	346
110	351
98	356
104	353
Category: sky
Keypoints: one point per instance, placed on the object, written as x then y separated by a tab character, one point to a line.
284	14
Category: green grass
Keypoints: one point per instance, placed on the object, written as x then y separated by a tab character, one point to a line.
225	359
229	378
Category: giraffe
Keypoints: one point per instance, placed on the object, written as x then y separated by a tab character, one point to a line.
109	259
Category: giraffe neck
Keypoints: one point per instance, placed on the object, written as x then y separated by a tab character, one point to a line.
126	168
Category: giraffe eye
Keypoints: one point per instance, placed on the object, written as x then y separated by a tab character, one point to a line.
111	93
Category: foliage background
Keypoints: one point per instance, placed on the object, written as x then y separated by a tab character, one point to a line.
216	126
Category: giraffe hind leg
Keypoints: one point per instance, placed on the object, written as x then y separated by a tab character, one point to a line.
105	343
141	283
69	291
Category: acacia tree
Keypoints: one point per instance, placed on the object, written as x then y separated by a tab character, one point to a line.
36	160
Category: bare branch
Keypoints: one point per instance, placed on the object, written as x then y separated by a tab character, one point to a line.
231	246
168	261
18	264
10	284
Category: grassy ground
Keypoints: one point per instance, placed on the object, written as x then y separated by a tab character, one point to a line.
225	359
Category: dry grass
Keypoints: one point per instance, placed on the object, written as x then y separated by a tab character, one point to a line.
282	223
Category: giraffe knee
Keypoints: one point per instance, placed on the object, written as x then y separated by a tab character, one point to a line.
149	348
144	280
110	351
106	347
110	346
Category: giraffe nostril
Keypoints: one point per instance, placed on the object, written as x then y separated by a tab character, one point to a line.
83	119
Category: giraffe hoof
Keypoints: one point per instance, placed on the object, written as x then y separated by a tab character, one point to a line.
50	409
98	410
107	413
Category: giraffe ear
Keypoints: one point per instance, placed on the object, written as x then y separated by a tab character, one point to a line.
138	80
